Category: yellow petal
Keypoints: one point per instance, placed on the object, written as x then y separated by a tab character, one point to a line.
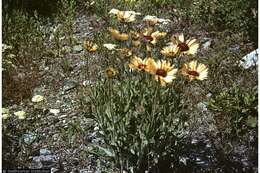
181	37
151	65
193	65
193	48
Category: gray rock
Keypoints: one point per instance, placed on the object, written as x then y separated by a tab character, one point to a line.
45	152
202	106
28	138
85	171
63	116
70	84
45	162
36	163
235	48
207	44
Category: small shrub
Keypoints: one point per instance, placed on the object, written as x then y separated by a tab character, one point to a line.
25	36
237	107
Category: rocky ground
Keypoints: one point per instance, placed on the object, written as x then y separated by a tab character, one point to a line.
66	130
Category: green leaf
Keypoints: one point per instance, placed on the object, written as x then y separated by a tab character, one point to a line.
104	151
251	121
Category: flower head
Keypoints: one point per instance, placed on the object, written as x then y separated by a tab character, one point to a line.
20	115
111	72
151	36
189	46
125	52
137	63
195	70
37	98
117	35
162	70
5	113
90	46
110	46
124	16
152	20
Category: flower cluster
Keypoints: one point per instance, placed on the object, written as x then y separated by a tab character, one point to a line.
162	70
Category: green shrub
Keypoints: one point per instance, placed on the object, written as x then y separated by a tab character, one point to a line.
237	106
221	14
24	37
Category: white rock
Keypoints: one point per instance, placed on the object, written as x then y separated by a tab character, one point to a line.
54	111
250	59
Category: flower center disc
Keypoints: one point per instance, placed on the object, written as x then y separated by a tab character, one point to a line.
141	66
193	73
161	72
148	38
183	46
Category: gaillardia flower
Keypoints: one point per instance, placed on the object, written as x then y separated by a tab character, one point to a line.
20	115
189	46
137	63
125	52
111	72
89	46
170	51
163	71
152	20
117	35
151	36
195	70
124	16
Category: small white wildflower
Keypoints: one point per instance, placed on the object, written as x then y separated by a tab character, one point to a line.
5	113
54	111
5	116
37	98
164	21
110	46
5	47
20	115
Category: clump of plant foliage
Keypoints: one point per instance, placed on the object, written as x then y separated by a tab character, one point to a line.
238	107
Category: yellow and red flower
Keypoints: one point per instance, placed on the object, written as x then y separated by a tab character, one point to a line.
152	37
139	64
162	70
124	16
195	70
188	47
117	35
